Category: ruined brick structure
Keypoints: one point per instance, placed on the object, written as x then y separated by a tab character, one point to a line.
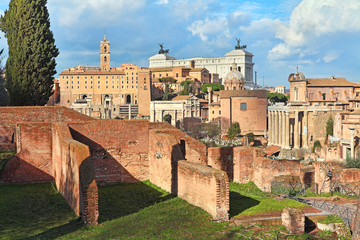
79	153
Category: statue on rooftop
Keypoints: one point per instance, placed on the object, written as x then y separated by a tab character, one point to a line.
162	51
238	46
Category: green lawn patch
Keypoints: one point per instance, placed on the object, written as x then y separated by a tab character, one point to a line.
127	211
247	199
331	219
27	210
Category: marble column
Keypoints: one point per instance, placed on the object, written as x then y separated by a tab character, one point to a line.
269	128
272	127
296	131
305	130
352	142
280	128
276	133
287	130
283	144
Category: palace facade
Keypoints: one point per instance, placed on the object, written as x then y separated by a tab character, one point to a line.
105	92
218	65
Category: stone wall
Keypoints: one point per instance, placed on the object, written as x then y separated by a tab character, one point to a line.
204	187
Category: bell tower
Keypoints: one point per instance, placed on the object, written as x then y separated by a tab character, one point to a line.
105	54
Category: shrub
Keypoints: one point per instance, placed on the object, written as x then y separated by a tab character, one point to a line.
316	144
233	130
352	162
251	137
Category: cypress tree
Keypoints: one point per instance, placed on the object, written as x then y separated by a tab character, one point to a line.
3	92
31	63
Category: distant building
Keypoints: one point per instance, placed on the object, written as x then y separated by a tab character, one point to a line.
280	89
105	92
185	106
296	126
218	65
236	104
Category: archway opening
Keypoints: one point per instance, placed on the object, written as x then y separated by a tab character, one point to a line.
167	118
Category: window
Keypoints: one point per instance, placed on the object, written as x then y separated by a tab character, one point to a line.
85	82
243	106
85	77
154	75
67	82
98	77
78	82
160	75
177	74
107	77
77	77
324	96
105	59
98	82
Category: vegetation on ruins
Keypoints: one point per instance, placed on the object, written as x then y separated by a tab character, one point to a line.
233	130
352	162
329	127
188	87
317	144
30	66
212	130
167	80
331	219
277	97
214	87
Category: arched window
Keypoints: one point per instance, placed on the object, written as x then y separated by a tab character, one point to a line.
243	106
105	59
128	99
105	49
239	69
296	94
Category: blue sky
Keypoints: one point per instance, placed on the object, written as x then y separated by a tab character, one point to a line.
319	36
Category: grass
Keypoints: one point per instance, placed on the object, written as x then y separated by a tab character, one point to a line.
27	210
247	199
127	211
4	155
331	219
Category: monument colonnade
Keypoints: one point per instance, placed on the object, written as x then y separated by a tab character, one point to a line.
288	128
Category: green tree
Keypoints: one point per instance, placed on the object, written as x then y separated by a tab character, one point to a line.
251	137
3	93
187	87
233	130
277	97
212	130
167	118
166	96
31	61
329	127
317	144
214	86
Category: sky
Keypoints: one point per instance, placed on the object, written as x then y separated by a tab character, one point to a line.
320	37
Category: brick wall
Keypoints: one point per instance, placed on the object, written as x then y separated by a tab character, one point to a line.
164	153
74	174
221	158
33	160
119	149
10	116
250	165
195	151
204	187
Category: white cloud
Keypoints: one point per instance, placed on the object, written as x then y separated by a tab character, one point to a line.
162	2
313	19
203	28
93	12
188	8
331	56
